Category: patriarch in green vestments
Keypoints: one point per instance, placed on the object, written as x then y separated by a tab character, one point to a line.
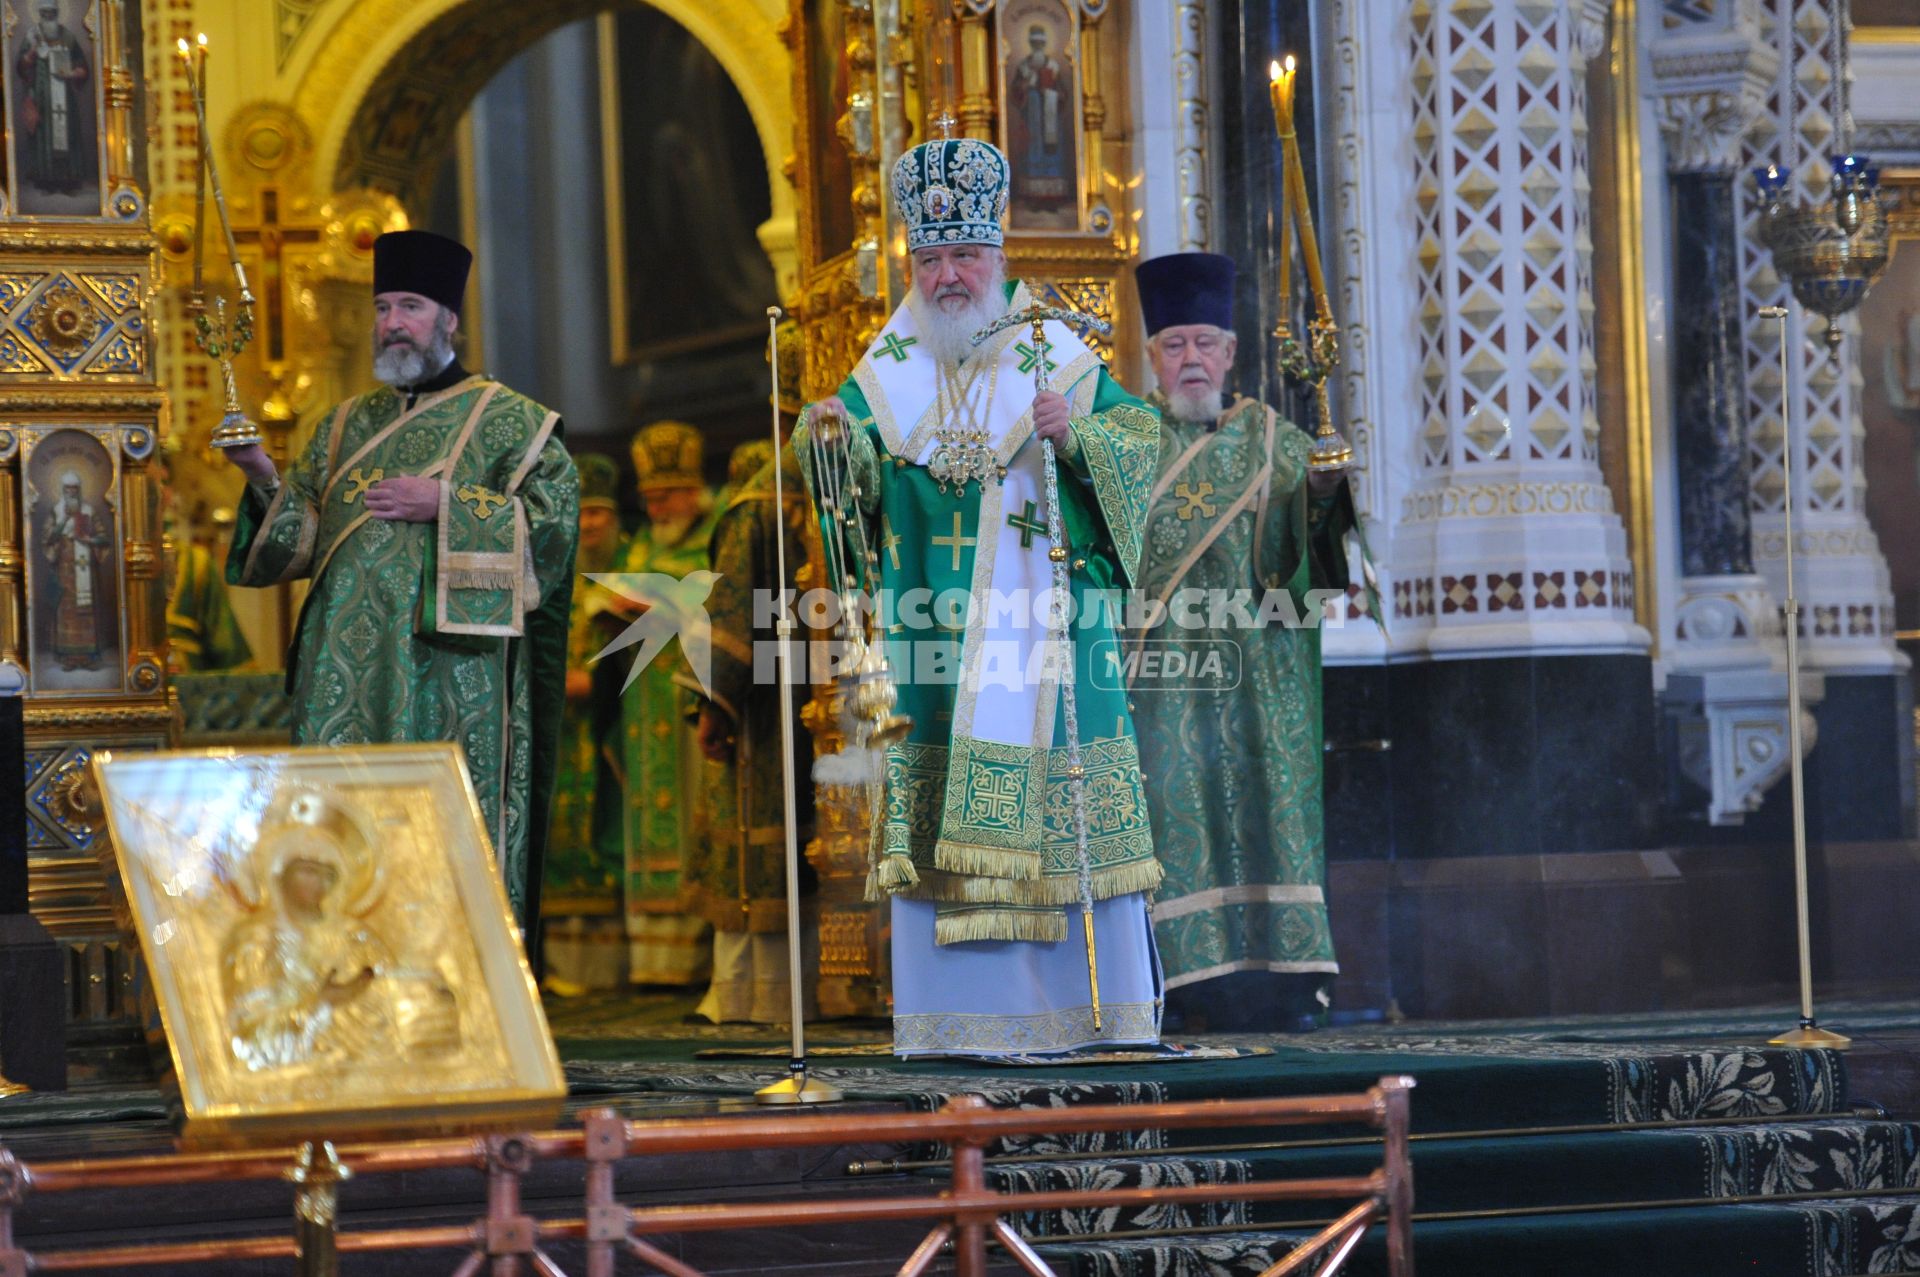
1227	701
436	518
977	846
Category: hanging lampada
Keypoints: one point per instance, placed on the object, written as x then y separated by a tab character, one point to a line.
1834	251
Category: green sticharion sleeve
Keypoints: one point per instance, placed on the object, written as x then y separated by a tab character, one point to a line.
1305	542
273	537
1116	448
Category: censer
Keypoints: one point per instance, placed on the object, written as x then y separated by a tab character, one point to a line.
866	682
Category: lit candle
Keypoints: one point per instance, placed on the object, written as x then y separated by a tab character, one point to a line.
1294	203
200	172
1281	89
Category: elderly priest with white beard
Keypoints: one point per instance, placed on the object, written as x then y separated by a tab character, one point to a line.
436	517
1233	764
977	845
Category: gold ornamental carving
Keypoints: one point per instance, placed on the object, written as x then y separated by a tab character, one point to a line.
64	321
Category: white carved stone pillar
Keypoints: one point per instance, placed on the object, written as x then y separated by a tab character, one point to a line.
1726	693
1369	252
1509	542
1840	576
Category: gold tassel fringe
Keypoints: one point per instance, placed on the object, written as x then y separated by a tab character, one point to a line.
475	579
1050	928
975	860
893	874
1055	889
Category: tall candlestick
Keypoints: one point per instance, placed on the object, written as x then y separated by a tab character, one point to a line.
1293	196
1312	364
1309	243
1281	89
217	337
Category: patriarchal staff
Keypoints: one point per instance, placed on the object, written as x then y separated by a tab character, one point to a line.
976	844
436	517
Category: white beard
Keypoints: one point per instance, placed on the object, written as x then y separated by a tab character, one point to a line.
407	365
1189	405
949	334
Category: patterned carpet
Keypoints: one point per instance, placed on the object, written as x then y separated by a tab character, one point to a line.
1746	1160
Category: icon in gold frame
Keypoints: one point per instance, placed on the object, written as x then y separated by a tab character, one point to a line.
329	943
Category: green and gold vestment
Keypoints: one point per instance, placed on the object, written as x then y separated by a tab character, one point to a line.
978	815
1233	764
455	629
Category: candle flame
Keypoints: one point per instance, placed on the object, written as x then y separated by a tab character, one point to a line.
1289	58
183	46
203	39
1273	68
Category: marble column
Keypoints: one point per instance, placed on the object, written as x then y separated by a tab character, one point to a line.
1510	543
1725	698
1508	709
1716	529
1847	617
1861	775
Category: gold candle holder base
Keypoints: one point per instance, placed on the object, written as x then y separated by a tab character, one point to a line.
801	1088
1330	453
1810	1036
236	430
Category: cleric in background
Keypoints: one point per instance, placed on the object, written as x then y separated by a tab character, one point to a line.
436	517
1231	756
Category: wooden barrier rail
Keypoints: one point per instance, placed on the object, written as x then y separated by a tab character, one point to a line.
506	1241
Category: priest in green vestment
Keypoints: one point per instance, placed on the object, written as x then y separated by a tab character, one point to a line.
583	942
977	847
436	518
1232	748
737	876
654	807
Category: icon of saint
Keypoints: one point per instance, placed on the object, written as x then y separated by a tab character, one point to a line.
55	112
79	547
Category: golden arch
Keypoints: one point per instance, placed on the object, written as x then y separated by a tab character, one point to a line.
433	56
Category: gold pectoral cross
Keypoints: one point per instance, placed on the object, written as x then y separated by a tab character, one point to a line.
358	481
483	502
1194	497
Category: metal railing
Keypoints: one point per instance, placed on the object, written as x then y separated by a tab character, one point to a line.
508	1242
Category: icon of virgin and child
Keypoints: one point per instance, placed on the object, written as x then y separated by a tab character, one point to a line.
308	979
